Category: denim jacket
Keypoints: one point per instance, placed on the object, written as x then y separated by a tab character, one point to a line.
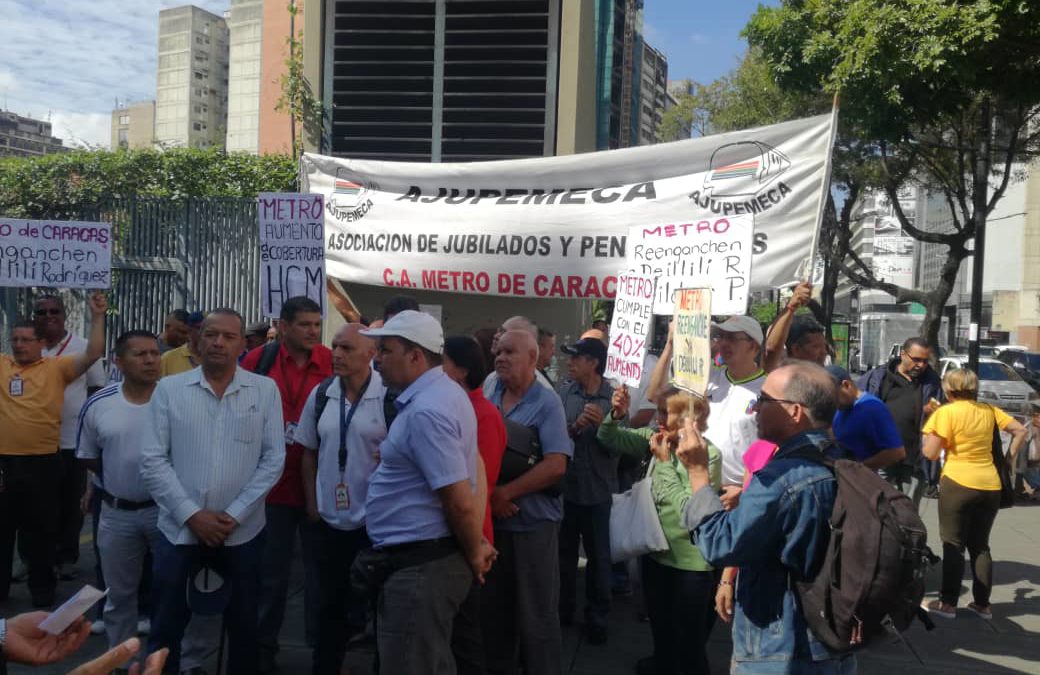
776	535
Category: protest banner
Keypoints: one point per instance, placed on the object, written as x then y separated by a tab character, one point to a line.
557	227
292	253
55	253
630	328
691	342
714	253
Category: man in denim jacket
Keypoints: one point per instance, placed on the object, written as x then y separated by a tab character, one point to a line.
778	533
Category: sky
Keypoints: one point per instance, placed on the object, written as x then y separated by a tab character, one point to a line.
69	60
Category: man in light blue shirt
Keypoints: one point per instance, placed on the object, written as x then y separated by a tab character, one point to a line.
523	590
214	449
426	501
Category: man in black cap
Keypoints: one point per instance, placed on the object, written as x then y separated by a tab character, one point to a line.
590	481
863	424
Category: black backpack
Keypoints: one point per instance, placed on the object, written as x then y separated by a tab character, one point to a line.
267	358
321	399
872	577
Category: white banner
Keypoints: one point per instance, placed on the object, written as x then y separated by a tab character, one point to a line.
713	253
292	258
630	327
55	253
557	227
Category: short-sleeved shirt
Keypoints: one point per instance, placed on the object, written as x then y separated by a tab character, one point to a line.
540	408
366	431
176	361
294	385
867	428
76	391
431	444
966	429
592	476
31	423
491	442
731	424
110	430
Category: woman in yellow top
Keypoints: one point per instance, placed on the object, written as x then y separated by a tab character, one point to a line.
969	492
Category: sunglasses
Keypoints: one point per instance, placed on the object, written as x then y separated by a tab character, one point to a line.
764	398
45	312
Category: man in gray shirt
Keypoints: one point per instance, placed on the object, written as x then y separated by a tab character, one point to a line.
214	449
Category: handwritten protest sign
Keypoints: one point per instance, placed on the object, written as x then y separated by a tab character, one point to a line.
630	328
292	249
691	343
55	253
715	252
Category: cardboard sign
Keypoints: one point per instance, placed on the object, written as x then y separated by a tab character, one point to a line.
713	252
292	249
55	253
630	328
691	342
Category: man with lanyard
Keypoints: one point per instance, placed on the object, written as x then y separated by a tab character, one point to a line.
425	502
49	314
522	596
32	394
300	363
912	391
341	450
186	357
109	444
588	486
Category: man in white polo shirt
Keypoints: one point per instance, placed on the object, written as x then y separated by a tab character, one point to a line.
341	436
109	444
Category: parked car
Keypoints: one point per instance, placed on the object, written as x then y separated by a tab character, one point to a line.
1026	364
999	385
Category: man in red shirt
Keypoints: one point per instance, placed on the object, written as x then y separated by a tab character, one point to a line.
298	362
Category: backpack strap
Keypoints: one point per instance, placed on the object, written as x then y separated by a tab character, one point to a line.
389	409
321	397
267	358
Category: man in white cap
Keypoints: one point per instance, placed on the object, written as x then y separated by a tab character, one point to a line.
424	507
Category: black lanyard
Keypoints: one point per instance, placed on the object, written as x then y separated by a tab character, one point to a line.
345	418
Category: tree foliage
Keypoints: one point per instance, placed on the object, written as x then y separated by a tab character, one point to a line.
297	99
53	186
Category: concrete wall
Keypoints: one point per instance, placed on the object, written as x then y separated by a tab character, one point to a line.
576	102
274	124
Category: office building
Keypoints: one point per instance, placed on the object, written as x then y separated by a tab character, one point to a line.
276	125
26	137
133	125
192	79
653	94
245	23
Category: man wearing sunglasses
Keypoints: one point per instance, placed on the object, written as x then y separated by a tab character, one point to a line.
910	388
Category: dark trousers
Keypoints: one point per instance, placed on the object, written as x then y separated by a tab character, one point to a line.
29	507
965	519
681	607
71	485
283	521
591	526
144	590
341	613
519	605
171	613
467	637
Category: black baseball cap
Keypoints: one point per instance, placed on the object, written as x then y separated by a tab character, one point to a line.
590	347
839	374
209	589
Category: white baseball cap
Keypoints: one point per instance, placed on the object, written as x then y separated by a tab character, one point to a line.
417	327
742	324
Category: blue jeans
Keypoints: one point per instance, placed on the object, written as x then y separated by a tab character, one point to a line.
241	617
845	665
282	523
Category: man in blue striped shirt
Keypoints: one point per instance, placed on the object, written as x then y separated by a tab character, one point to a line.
214	449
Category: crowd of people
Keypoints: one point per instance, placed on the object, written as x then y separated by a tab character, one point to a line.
443	488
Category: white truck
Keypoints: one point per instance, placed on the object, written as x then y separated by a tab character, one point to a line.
879	332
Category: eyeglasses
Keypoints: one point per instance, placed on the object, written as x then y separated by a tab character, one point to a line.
45	312
919	360
764	398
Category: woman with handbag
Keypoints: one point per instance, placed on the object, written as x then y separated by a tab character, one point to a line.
678	584
970	492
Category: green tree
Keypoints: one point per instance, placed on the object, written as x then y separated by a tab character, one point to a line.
943	94
297	99
56	186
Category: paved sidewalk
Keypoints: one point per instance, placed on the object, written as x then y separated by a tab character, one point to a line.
1010	644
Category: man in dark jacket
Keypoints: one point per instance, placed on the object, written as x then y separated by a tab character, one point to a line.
912	390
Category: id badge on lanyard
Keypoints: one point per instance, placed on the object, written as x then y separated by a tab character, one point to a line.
16	387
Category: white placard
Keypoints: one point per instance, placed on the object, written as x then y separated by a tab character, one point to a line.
714	253
630	328
292	249
55	253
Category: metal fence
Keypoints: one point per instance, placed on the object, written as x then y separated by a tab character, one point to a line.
194	253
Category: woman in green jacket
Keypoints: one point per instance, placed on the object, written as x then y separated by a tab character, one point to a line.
679	586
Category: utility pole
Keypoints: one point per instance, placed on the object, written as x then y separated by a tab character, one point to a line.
979	204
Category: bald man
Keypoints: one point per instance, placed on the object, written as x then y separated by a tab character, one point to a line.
335	482
520	602
524	325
